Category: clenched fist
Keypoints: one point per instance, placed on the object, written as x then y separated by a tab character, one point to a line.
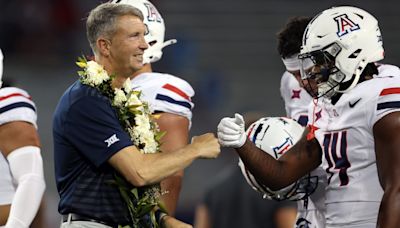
206	145
231	132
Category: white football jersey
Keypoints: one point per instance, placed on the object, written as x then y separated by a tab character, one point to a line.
295	97
387	70
165	93
15	105
297	101
345	133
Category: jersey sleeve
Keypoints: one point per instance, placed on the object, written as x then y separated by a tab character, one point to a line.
93	127
387	102
387	99
174	96
16	105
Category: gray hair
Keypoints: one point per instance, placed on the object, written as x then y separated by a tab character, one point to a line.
102	20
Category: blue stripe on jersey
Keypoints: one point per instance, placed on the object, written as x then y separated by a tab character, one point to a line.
170	100
17	105
393	104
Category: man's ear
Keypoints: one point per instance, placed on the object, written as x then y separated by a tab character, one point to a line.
103	46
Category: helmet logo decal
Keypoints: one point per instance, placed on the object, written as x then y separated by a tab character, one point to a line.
345	25
284	147
153	15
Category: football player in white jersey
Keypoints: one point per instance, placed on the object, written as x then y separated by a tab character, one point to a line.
21	181
311	210
354	127
167	95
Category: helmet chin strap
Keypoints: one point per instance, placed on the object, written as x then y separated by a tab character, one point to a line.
328	89
356	76
168	42
154	51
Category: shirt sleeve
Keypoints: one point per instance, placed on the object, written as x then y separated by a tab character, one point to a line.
93	128
16	105
175	97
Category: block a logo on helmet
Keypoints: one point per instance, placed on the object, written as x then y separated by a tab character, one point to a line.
276	135
155	29
345	25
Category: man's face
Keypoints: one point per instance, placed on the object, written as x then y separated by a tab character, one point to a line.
128	45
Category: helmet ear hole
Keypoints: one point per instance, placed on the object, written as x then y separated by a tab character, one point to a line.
355	54
151	43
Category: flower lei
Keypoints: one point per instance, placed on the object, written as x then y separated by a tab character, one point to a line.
136	118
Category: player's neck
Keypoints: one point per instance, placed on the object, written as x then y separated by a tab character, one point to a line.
145	69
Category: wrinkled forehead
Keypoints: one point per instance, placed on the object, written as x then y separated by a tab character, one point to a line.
130	24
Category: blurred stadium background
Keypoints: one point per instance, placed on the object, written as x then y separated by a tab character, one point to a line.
226	49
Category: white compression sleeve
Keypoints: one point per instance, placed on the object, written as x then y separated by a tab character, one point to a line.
26	167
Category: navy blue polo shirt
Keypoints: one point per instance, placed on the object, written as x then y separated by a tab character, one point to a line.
86	134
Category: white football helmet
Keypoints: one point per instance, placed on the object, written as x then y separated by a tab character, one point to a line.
340	41
155	29
276	135
1	67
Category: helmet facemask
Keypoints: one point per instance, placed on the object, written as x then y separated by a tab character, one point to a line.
319	70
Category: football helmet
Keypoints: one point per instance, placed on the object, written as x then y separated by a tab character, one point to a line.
276	135
155	29
340	41
1	67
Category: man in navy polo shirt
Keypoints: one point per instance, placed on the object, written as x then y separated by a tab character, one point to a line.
89	142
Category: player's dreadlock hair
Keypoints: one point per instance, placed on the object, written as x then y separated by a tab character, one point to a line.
290	37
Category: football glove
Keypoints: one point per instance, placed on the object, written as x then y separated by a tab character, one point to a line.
231	132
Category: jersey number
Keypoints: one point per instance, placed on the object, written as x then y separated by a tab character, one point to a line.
335	151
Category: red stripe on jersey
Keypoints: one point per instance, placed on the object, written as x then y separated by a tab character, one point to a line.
176	90
14	95
390	91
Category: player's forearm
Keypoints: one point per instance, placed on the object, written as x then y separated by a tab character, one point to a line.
390	209
263	166
26	167
26	202
171	188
